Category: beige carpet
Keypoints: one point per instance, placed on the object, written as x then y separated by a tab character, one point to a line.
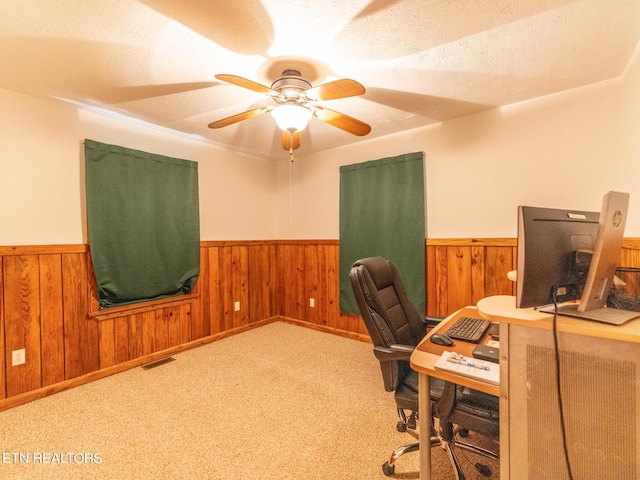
277	402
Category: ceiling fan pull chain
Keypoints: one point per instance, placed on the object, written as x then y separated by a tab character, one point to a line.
291	146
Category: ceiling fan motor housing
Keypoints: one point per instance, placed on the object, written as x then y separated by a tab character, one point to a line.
290	85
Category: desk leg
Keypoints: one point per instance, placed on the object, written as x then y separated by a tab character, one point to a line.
424	406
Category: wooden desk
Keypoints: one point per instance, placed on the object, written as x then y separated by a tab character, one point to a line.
423	359
502	308
600	385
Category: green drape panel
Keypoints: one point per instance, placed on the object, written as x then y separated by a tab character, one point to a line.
382	213
144	227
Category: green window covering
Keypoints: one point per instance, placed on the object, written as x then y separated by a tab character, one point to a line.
382	213
144	225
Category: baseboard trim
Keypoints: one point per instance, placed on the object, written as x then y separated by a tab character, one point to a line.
42	392
324	328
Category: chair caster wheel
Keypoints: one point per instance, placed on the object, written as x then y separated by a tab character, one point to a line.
388	469
483	470
463	432
401	427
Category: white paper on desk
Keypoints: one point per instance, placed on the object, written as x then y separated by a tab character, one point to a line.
490	375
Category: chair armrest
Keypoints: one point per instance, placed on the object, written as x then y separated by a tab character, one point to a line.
393	352
432	320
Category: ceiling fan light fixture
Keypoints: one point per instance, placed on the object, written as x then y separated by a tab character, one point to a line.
291	117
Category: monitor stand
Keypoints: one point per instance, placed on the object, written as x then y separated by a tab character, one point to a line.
612	316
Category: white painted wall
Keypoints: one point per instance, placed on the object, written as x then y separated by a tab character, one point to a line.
42	174
564	150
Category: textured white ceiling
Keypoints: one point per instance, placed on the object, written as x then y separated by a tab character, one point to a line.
420	61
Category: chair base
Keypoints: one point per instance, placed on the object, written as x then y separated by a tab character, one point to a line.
437	441
389	467
482	469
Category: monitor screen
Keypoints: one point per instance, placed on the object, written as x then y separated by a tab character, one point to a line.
554	251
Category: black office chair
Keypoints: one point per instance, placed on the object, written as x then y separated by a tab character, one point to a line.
396	328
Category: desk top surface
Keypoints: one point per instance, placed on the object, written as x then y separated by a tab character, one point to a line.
426	354
502	308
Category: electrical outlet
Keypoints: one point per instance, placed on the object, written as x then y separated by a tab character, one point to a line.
17	357
312	302
236	306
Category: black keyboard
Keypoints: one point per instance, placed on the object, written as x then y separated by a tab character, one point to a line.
469	329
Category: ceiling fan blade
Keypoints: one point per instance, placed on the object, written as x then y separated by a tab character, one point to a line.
246	83
239	117
291	142
337	89
342	121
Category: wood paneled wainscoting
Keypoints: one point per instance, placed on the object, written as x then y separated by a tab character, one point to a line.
462	271
48	305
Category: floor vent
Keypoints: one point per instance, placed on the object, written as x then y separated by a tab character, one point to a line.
157	363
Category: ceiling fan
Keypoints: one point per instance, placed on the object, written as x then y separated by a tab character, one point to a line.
296	104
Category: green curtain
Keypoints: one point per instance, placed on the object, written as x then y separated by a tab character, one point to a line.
382	213
143	220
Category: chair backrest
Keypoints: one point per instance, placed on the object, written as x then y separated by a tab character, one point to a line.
388	314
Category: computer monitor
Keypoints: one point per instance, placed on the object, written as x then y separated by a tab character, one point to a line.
606	255
554	250
563	270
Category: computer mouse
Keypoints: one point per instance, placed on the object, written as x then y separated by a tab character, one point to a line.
441	339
